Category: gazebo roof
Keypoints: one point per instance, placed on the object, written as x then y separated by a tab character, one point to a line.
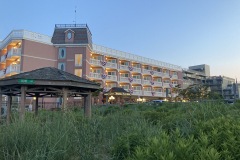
49	73
47	80
117	91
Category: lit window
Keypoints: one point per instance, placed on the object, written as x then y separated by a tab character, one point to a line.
78	72
78	59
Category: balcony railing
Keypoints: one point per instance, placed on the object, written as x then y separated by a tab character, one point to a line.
166	75
124	79
3	58
147	82
159	94
137	92
137	81
111	65
156	83
174	77
110	77
14	52
158	73
13	69
124	67
136	70
95	62
95	75
166	85
128	56
147	93
146	71
2	73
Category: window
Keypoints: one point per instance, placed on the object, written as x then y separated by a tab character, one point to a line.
61	53
97	71
124	75
78	59
112	60
61	66
147	89
166	81
158	69
159	80
137	88
125	63
158	90
174	73
136	76
166	71
78	72
111	73
125	87
137	66
147	78
98	58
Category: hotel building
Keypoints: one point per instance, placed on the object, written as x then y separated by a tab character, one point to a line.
71	49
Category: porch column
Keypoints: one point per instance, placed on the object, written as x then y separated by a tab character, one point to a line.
0	103
23	99
9	104
87	105
36	105
64	103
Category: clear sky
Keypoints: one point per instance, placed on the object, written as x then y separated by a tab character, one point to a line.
181	32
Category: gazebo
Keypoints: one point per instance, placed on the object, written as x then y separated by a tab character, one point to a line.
46	82
118	92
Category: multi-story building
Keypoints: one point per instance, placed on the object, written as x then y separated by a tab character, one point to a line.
195	75
224	86
71	49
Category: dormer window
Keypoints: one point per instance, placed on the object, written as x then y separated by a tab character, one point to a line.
69	35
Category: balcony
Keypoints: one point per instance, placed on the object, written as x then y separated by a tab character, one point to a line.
111	65
3	58
147	82
95	62
124	67
147	93
124	79
137	92
166	84
137	81
146	71
174	77
2	73
159	94
13	69
111	77
156	83
166	75
95	75
136	70
13	53
158	73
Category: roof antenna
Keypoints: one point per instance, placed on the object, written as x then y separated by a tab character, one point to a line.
75	21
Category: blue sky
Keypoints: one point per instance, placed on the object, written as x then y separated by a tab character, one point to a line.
181	32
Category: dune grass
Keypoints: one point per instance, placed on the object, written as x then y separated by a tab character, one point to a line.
171	131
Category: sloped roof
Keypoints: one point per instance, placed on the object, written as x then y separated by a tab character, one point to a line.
117	91
49	73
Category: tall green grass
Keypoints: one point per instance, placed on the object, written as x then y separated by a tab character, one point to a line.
170	131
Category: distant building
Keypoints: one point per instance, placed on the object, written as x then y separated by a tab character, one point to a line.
195	75
224	86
